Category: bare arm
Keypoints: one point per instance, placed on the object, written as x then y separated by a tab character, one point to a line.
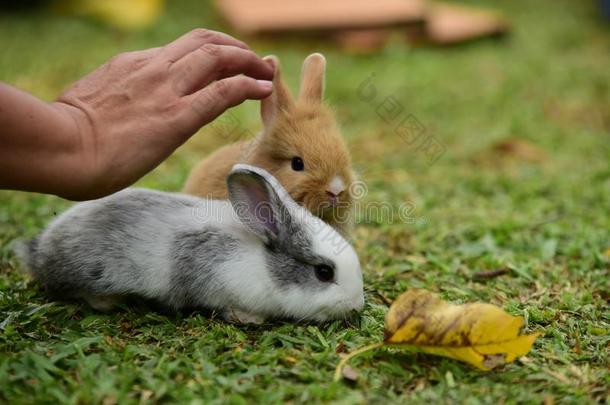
123	119
39	144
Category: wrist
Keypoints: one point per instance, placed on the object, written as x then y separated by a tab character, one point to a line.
78	168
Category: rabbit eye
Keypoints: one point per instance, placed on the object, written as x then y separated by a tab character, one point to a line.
325	273
297	164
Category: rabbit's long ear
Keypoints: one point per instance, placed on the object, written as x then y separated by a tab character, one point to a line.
312	78
280	99
257	203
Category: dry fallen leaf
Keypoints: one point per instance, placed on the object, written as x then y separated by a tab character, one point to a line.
485	275
482	335
290	360
479	334
519	149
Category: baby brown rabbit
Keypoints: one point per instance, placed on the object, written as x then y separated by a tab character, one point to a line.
300	144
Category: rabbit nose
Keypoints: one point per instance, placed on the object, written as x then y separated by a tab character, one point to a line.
334	189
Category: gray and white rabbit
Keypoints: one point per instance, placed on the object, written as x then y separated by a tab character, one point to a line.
257	256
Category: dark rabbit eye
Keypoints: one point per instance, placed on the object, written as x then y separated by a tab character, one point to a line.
297	164
325	273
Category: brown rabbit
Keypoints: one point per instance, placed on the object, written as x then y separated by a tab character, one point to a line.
300	145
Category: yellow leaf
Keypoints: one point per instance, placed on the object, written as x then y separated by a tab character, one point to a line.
479	334
123	14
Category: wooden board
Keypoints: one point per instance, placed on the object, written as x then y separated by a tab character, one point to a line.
448	24
258	16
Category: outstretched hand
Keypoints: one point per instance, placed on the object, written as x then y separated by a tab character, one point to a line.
123	119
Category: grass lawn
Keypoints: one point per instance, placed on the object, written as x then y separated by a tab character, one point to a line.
523	185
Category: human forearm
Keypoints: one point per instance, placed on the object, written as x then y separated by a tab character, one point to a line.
39	144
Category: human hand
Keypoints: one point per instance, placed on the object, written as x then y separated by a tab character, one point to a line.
135	110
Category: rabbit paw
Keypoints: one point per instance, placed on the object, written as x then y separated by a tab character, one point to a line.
237	316
102	303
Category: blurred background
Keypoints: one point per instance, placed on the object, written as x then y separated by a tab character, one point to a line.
467	111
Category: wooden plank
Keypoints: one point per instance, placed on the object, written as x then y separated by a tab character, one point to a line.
258	16
448	24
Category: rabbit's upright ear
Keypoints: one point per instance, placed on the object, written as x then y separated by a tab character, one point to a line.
312	78
257	204
280	100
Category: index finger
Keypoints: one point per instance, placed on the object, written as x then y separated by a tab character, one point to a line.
195	39
214	62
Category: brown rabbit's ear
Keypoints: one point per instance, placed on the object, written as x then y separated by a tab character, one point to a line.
280	99
312	78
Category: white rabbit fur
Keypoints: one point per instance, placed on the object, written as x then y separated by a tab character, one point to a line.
182	251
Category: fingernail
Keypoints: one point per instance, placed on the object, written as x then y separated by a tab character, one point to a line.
265	84
270	59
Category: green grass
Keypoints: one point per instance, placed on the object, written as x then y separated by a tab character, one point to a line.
545	219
